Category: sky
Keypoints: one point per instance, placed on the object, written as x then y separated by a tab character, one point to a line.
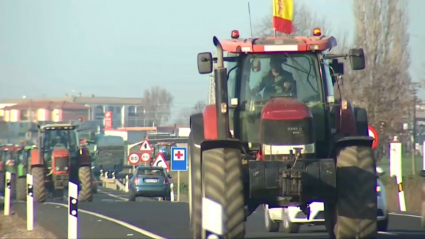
121	47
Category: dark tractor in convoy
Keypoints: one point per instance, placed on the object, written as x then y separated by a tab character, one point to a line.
280	134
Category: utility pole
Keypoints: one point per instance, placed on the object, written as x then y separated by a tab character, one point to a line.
413	154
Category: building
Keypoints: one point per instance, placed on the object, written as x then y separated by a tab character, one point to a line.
41	111
126	112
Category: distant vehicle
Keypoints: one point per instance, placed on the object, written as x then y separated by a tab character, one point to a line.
150	182
293	217
164	148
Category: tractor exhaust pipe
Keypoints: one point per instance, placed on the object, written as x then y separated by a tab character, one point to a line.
220	61
221	96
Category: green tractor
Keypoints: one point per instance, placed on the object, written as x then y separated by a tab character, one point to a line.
14	159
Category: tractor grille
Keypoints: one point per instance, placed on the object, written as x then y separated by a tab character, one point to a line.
61	163
288	132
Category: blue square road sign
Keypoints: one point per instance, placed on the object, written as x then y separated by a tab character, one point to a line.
178	159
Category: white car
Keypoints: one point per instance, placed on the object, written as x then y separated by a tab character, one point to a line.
292	217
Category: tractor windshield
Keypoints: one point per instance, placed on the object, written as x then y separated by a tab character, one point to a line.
60	138
282	75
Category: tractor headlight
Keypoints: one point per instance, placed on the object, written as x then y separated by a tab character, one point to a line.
57	168
65	168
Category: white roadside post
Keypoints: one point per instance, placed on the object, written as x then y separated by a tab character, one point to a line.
397	170
30	203
7	193
172	192
126	184
72	210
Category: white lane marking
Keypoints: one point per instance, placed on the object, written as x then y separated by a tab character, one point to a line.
404	215
112	195
388	233
119	222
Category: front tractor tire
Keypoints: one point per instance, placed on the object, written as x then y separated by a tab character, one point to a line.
195	189
223	187
39	184
353	215
86	187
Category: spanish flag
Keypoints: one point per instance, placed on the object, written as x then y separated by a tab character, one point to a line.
283	14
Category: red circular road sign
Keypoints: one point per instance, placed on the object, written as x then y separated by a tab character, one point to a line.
133	159
146	157
374	134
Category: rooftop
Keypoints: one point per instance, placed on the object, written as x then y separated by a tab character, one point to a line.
77	100
46	105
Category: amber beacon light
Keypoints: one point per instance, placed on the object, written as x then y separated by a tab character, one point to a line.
317	32
235	34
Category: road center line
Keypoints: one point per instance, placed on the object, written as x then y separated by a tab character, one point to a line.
119	222
112	195
404	215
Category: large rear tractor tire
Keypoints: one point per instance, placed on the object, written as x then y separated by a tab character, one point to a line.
354	213
86	188
195	189
40	189
21	188
223	187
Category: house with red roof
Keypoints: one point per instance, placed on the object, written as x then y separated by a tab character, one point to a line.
51	111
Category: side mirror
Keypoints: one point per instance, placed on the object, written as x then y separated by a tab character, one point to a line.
379	172
169	176
205	63
357	59
422	174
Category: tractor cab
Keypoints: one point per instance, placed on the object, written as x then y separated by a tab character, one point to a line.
164	148
59	142
9	157
280	86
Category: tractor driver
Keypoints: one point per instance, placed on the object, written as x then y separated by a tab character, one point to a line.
277	82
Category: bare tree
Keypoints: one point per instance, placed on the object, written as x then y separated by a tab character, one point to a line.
157	102
184	116
383	88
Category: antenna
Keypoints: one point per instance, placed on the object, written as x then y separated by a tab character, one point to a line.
249	14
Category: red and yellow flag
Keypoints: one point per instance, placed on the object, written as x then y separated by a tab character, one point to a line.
283	14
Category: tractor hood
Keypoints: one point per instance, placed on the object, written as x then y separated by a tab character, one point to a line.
285	108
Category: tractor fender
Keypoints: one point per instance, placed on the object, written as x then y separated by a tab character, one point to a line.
209	118
197	128
348	141
35	158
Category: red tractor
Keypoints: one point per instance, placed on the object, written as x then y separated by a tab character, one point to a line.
280	135
58	159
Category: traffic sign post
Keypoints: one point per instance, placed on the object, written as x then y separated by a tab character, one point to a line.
134	159
146	157
160	162
145	146
178	163
374	134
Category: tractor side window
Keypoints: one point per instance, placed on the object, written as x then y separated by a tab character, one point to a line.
231	82
328	78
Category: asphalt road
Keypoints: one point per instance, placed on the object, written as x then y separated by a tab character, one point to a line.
146	218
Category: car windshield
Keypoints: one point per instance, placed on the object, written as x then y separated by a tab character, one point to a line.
150	172
282	75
